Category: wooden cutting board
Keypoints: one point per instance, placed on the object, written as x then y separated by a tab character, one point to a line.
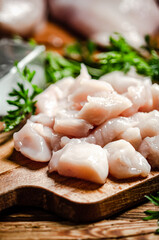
24	182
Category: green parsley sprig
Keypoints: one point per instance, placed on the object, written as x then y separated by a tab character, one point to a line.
81	51
121	56
153	214
57	67
23	101
118	56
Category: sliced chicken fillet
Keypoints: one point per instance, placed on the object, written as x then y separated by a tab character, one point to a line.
125	162
131	135
31	144
149	148
81	160
99	109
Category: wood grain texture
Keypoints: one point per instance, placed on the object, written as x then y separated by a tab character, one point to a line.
31	223
28	183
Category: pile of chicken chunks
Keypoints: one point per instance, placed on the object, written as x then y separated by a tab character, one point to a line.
88	128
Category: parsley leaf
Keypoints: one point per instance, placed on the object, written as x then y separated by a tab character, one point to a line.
153	214
57	67
118	56
81	51
154	66
22	101
123	61
121	57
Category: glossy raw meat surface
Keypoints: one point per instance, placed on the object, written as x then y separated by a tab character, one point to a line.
98	19
31	141
149	148
81	122
81	160
124	161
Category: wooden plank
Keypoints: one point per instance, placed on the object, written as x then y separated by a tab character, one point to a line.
28	183
28	223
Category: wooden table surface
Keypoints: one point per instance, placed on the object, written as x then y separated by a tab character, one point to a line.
31	223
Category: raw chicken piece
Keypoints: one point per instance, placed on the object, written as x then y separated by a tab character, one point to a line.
65	140
43	131
65	85
89	88
47	101
106	132
141	98
51	138
31	144
125	162
85	86
120	81
150	128
149	148
141	116
137	97
72	127
66	113
67	124
55	141
132	135
99	109
43	119
98	19
13	15
83	77
148	123
155	95
148	105
81	160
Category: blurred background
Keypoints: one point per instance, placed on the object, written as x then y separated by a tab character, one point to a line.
95	19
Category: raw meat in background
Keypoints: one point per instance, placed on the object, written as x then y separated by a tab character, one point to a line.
92	18
22	17
98	19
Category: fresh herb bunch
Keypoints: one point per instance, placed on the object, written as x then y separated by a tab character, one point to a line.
84	52
57	67
121	56
153	214
23	101
81	51
118	56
